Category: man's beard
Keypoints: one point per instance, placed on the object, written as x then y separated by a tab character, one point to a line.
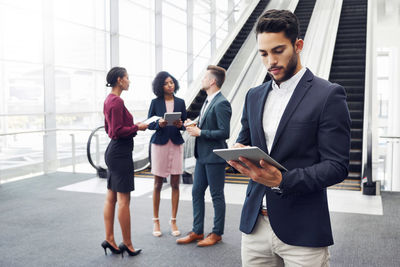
290	69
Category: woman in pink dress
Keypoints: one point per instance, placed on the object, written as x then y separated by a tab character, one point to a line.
166	145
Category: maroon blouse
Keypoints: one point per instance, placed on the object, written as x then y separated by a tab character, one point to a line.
118	122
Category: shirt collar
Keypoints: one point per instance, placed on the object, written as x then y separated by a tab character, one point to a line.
290	84
211	97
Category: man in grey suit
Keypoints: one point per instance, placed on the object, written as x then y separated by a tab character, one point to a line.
211	133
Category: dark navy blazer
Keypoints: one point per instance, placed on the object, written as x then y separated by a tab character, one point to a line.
215	128
162	135
313	142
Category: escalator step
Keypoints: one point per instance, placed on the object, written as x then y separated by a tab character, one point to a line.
355	105
355	97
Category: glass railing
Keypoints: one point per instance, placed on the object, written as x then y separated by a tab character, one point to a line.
22	153
388	167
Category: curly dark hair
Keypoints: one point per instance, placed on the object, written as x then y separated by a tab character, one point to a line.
158	83
279	20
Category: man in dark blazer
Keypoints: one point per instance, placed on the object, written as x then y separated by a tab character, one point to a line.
211	133
303	122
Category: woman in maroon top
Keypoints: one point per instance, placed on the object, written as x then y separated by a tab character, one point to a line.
120	176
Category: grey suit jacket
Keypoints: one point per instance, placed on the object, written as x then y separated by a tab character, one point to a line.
215	127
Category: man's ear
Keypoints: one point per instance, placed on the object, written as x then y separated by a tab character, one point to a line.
213	81
298	45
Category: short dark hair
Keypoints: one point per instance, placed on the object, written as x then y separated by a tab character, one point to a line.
219	74
114	74
158	83
279	20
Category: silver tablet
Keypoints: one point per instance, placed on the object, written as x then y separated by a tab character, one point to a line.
170	117
252	153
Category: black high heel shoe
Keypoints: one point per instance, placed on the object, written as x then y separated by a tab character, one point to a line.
123	248
106	245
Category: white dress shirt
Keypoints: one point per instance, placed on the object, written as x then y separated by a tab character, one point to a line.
205	106
275	105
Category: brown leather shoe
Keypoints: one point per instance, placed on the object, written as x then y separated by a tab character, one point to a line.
192	236
210	240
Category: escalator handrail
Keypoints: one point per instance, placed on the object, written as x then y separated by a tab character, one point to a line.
101	172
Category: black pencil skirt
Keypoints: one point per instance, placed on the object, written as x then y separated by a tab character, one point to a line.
118	158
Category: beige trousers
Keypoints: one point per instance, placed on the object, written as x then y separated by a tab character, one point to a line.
263	248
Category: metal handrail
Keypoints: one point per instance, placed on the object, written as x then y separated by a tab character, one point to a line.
45	131
367	127
390	137
101	172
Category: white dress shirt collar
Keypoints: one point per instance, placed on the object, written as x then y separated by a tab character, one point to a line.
291	83
211	97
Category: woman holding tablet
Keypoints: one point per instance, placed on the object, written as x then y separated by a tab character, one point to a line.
166	145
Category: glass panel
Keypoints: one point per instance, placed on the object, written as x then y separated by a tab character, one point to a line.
89	52
23	88
174	62
137	98
64	147
201	47
147	4
88	121
177	3
90	13
75	90
172	11
136	21
22	39
101	90
383	66
32	5
24	123
174	35
137	57
199	65
20	154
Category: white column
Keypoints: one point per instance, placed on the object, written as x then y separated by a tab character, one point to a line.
189	23
114	28
394	115
230	13
158	36
50	163
4	87
213	27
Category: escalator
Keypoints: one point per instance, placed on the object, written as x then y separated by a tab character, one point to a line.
348	70
194	108
303	12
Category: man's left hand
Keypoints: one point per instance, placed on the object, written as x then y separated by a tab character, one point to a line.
267	175
193	130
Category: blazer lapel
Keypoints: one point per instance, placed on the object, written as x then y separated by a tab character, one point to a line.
175	105
298	94
260	113
163	105
209	107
